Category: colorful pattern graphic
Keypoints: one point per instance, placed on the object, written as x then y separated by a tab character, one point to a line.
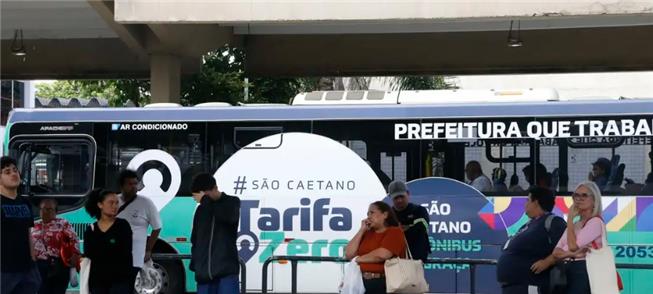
631	213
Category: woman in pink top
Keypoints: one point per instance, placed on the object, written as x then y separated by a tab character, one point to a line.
581	236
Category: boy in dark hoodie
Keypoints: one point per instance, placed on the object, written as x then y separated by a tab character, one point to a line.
213	239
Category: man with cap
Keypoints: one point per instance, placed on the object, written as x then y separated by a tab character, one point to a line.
414	220
600	172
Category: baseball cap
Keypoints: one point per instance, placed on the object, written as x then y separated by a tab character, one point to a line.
397	188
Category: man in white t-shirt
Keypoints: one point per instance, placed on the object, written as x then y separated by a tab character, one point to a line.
141	213
476	177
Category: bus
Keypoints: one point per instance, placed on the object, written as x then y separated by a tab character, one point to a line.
306	172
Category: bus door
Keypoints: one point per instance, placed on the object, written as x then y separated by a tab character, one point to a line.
56	166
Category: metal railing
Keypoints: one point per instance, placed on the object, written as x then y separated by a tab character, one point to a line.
174	256
635	266
294	260
472	267
293	263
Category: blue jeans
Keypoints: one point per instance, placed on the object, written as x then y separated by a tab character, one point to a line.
27	282
224	285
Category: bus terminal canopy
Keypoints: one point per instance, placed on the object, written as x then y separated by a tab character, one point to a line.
131	38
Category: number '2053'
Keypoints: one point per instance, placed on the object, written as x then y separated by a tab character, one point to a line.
634	251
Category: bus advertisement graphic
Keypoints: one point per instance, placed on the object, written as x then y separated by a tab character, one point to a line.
306	196
457	229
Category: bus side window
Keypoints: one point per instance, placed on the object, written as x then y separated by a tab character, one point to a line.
374	142
244	136
55	168
494	167
185	147
618	165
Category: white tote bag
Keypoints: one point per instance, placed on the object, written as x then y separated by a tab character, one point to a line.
84	272
405	275
601	268
352	280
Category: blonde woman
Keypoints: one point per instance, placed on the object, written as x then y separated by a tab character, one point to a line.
580	236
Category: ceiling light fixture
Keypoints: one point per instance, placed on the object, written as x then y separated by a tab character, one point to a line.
514	41
17	45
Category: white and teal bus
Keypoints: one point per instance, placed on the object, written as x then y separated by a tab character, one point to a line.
306	172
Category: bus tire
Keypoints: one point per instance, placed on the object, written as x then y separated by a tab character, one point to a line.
168	278
175	277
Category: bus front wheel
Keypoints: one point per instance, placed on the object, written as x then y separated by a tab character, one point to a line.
165	278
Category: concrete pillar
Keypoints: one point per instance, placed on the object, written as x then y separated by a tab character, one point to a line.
165	78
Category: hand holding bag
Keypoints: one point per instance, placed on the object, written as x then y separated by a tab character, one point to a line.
405	275
601	269
147	276
74	280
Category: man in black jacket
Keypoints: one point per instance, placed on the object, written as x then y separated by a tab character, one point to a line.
414	220
213	239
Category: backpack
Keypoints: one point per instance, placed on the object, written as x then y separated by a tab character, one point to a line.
557	273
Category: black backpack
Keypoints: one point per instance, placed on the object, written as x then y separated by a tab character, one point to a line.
557	273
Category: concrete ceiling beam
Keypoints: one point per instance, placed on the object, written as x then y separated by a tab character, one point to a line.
543	51
134	35
192	40
80	59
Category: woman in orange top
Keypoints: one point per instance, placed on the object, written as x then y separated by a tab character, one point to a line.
379	239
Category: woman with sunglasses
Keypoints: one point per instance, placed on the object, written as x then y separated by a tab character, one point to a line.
108	244
581	235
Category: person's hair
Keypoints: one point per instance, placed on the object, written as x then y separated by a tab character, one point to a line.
543	196
540	172
203	182
125	175
391	220
595	192
6	161
473	164
54	201
92	199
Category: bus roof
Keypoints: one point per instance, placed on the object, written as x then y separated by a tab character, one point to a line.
344	112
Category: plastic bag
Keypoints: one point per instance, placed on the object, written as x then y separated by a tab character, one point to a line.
147	276
84	272
352	280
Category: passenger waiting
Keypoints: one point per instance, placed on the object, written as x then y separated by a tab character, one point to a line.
476	178
600	172
378	239
57	249
216	218
499	180
413	218
541	179
527	256
20	275
108	244
580	236
514	184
